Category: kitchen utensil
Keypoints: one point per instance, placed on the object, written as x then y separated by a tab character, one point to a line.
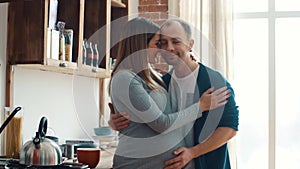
41	151
69	151
15	111
13	132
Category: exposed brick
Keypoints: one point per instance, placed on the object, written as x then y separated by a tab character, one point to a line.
159	22
163	15
150	15
149	2
143	9
157	8
164	2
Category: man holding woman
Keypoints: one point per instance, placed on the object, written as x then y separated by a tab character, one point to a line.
188	78
155	131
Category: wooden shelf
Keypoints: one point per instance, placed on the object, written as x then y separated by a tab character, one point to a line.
29	25
70	68
86	71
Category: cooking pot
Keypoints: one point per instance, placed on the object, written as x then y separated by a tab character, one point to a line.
41	151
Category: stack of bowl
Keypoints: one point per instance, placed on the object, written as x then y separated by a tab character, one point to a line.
105	136
103	131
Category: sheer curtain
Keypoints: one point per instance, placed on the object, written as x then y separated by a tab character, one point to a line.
213	33
213	27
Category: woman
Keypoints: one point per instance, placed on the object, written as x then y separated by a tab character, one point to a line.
155	131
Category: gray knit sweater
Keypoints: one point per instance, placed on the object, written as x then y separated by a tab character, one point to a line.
154	131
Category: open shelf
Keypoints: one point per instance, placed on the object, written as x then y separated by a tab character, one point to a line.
28	37
100	73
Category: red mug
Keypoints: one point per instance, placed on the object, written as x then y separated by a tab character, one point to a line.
89	156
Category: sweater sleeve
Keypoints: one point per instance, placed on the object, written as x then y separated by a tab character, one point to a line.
230	114
230	117
129	95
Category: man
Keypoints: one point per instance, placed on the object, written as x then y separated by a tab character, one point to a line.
186	83
212	153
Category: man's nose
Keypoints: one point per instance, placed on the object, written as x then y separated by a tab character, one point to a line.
170	47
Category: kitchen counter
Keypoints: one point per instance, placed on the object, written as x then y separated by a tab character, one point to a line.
106	158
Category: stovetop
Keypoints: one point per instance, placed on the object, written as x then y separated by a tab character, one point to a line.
14	164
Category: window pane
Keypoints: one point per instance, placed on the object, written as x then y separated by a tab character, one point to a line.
287	5
250	6
287	93
251	86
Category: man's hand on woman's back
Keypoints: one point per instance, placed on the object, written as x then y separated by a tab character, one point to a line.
118	121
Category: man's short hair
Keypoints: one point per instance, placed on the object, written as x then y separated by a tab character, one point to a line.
185	25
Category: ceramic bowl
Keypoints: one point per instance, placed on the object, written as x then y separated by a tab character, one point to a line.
102	131
85	145
89	156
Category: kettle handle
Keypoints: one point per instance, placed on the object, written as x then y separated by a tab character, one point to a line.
43	127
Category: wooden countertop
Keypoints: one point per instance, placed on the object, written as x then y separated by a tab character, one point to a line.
106	158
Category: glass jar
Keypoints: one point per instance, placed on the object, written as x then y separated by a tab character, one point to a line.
13	133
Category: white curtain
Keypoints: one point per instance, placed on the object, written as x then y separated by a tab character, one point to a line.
212	22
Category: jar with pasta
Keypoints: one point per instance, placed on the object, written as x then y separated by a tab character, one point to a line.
13	133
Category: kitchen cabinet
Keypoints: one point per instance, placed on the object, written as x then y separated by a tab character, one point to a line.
28	26
89	19
27	42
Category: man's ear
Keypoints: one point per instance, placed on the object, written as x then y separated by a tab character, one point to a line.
191	44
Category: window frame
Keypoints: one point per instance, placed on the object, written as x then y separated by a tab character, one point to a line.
271	15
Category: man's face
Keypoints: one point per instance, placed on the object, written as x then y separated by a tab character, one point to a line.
175	43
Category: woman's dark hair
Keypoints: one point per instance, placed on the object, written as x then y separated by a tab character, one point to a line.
132	50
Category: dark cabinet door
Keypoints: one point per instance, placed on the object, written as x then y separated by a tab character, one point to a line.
25	40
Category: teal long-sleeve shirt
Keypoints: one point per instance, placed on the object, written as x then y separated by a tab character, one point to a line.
155	131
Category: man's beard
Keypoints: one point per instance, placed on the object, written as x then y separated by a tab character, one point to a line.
171	58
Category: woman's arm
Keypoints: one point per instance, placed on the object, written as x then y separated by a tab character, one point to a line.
129	95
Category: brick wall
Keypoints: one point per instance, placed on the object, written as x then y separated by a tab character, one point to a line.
156	11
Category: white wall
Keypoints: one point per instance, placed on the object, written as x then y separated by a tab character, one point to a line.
3	39
69	102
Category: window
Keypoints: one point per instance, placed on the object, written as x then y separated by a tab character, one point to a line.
251	58
267	57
